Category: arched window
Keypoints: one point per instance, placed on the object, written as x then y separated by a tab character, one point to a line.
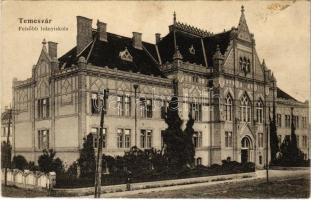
248	64
241	64
245	143
228	107
245	109
259	111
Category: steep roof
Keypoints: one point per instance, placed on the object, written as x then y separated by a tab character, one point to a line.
283	95
186	41
101	53
210	44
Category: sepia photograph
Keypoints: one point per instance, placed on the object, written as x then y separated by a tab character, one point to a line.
155	99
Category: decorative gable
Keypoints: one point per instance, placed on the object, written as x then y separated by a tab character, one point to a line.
125	55
243	31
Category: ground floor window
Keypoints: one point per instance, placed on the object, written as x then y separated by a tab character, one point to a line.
146	138
43	139
228	139
95	132
197	139
199	161
124	138
260	139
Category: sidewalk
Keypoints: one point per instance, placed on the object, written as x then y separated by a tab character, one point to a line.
260	174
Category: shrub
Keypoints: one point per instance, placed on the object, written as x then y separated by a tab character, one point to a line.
19	162
72	170
86	160
48	163
32	166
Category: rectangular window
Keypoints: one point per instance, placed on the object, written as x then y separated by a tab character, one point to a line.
120	105
260	139
197	139
145	108
280	139
279	120
146	138
43	139
127	106
164	107
196	111
304	141
96	103
287	121
43	108
228	139
297	121
305	122
95	132
259	114
124	138
297	139
120	137
127	138
162	141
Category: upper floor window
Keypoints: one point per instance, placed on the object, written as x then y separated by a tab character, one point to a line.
245	65
146	138
96	103
259	111
195	79
304	122
43	139
228	108
296	121
279	120
245	109
43	108
124	138
287	121
228	139
145	108
197	139
196	111
95	133
124	105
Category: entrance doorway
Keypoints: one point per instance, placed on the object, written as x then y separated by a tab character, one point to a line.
245	149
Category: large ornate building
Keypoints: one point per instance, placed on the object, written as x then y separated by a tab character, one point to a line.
218	78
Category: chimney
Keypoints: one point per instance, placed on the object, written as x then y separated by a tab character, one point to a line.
84	32
52	49
102	31
157	38
137	43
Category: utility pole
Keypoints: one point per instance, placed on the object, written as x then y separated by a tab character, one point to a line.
135	90
98	173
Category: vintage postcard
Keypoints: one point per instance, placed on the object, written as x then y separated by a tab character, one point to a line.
155	99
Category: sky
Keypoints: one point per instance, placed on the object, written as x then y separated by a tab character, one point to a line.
281	30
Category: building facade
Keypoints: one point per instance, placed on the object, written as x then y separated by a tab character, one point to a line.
218	78
290	110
